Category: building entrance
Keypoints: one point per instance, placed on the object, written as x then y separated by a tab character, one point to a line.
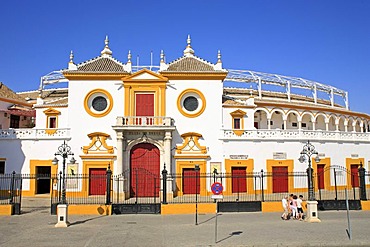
43	179
145	170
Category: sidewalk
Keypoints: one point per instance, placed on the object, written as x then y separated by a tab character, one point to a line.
234	229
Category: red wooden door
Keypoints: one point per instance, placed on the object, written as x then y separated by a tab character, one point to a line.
144	107
354	176
145	180
239	179
190	181
320	176
279	179
98	181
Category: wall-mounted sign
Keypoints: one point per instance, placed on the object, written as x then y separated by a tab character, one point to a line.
215	165
279	156
354	155
238	156
72	179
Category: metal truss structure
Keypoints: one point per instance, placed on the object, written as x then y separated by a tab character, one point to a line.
288	82
53	77
245	76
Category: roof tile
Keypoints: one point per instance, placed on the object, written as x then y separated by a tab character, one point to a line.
190	64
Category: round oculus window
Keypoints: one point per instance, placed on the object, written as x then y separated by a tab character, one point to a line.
191	103
99	103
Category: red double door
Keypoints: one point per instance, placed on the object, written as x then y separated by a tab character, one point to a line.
98	181
144	106
279	179
190	181
239	179
321	176
145	171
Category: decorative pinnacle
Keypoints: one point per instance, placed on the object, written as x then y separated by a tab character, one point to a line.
162	56
106	51
188	50
71	56
129	56
219	56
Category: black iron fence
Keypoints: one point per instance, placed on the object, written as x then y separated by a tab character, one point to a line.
142	187
10	188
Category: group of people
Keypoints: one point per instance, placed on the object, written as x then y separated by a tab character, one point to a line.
292	206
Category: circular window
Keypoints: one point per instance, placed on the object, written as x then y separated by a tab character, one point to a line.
98	103
191	103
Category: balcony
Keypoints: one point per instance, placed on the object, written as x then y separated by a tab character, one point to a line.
276	134
34	134
144	123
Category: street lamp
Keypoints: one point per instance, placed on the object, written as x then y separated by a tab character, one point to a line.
64	151
309	150
196	169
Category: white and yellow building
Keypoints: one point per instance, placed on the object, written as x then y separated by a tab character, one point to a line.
180	115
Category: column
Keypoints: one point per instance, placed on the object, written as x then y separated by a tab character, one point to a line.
327	125
167	160
119	184
118	168
167	150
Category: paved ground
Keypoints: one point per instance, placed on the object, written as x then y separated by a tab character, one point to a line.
36	228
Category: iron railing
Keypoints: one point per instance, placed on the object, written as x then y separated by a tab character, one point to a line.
142	187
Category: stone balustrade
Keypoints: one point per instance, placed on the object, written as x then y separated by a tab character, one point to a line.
35	134
277	134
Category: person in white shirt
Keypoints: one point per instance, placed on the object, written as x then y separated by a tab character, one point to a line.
293	207
285	205
299	207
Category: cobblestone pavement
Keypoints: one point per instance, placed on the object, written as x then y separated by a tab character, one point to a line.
36	228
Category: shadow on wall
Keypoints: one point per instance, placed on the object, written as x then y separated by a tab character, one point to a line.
11	151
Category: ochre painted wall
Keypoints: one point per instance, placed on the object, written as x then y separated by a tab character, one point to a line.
5	209
90	209
203	208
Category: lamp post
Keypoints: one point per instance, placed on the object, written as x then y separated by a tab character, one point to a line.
309	150
196	169
64	151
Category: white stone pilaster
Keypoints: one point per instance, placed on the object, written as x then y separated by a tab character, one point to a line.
118	168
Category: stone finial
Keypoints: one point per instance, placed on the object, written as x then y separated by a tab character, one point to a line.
106	51
71	56
71	64
129	56
162	56
218	65
219	57
188	50
162	65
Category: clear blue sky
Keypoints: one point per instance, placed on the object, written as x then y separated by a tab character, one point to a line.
325	41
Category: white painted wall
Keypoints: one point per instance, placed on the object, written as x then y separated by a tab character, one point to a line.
82	124
208	124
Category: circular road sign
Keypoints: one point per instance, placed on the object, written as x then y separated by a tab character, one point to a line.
217	188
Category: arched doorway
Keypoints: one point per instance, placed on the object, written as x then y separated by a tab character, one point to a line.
144	170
